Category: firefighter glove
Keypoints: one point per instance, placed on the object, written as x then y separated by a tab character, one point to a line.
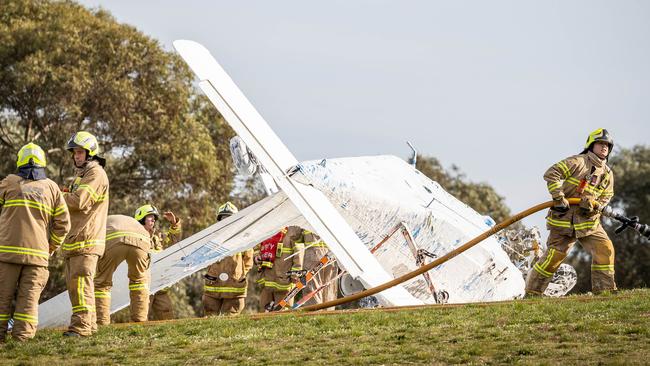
589	207
561	205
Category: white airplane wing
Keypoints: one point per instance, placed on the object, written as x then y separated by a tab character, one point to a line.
279	162
227	237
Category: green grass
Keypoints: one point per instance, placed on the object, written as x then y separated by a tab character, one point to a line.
611	329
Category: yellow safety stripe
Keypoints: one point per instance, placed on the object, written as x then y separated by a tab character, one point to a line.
57	239
59	210
267	264
24	251
296	269
588	188
602	267
4	317
317	244
553	186
286	250
96	197
558	223
220	289
564	168
275	285
573	181
34	204
541	271
83	244
26	318
567	224
1	203
137	286
80	291
585	225
99	294
595	190
121	234
551	253
80	308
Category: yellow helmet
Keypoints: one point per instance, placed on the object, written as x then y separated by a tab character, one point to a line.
600	134
84	140
145	211
225	210
31	152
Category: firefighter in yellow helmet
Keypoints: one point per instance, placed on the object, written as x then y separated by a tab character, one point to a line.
87	200
160	304
126	240
585	176
225	287
33	222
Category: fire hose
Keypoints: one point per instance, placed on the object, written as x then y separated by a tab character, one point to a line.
633	223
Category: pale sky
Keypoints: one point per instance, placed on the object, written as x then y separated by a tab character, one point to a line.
503	89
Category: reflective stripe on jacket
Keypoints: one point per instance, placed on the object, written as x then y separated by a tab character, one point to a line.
33	217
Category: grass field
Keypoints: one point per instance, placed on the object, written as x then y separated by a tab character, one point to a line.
611	329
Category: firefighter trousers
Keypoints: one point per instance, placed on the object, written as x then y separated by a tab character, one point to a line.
138	262
269	294
79	277
602	261
213	306
324	276
24	283
161	306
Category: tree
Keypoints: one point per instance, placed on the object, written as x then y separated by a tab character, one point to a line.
64	68
480	196
631	169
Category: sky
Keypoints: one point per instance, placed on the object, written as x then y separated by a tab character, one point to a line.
502	89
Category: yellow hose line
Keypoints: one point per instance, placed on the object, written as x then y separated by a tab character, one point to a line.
500	226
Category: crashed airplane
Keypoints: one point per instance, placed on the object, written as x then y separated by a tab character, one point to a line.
352	203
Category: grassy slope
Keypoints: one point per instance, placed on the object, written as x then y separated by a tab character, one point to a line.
580	329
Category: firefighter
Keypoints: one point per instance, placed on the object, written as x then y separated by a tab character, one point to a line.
585	176
126	240
225	287
87	200
276	275
33	222
315	249
161	306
